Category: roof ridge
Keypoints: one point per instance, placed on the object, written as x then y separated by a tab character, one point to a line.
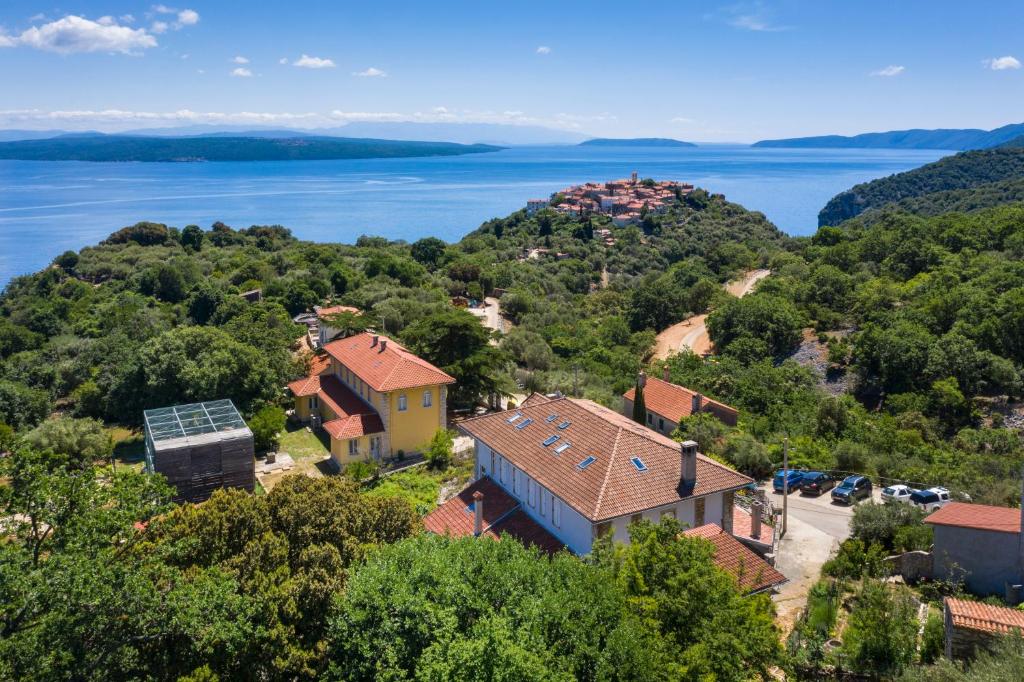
608	472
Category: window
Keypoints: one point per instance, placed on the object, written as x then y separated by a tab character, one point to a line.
562	448
544	495
549	440
506	471
586	462
353	448
531	492
661	424
650	418
314	403
516	477
636	518
564	425
602	529
556	511
551	418
668	513
523	424
403	403
639	464
698	506
428	398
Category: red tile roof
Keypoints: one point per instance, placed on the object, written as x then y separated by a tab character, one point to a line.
320	363
752	573
385	367
741	527
675	402
973	615
353	417
611	486
980	516
334	310
501	515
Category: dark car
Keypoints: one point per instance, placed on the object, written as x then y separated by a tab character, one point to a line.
852	488
816	483
795	479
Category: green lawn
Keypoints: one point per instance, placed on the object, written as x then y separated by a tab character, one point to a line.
301	444
129	447
419	486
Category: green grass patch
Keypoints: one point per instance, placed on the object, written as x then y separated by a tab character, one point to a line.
419	486
129	447
301	443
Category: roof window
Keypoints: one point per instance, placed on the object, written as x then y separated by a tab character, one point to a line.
550	439
587	462
564	425
523	424
639	464
562	448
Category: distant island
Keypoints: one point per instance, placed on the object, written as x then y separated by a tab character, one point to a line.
98	147
952	139
635	142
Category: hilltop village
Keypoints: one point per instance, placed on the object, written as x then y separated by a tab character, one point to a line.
382	458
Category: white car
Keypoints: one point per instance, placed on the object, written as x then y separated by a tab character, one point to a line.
898	493
931	499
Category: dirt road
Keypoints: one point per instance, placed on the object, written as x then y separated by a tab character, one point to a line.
692	333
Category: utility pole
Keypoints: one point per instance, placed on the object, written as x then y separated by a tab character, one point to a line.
785	484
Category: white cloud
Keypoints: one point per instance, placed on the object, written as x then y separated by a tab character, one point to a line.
77	34
889	71
681	120
242	72
159	27
188	17
282	60
164	9
127	19
371	73
752	16
184	17
307	62
240	60
543	49
1002	63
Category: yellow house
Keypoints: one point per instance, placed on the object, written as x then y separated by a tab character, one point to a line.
372	397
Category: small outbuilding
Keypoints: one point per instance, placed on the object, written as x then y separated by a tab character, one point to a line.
970	625
200	447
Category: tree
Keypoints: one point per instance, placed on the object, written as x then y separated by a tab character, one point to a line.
884	523
192	238
203	301
438	452
21	406
428	252
881	635
79	442
748	455
639	405
266	426
764	317
347	323
704	428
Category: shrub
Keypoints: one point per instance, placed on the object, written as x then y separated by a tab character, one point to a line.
881	634
439	452
933	640
855	560
880	524
266	425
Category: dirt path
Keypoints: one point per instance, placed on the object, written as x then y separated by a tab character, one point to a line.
692	333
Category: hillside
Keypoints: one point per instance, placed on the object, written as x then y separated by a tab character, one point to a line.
966	170
635	142
952	139
132	148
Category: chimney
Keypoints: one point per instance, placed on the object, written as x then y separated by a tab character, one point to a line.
755	518
665	375
374	341
688	451
478	513
641	379
696	403
383	345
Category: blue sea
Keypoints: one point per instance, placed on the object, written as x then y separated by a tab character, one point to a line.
47	207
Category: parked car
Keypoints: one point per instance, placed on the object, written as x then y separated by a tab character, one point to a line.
816	483
898	493
852	488
931	499
795	477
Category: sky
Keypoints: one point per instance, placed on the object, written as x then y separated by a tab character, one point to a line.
688	70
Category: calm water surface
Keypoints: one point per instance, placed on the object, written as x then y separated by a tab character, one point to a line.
48	207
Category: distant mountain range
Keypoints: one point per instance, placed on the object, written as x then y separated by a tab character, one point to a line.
635	142
98	147
952	139
461	133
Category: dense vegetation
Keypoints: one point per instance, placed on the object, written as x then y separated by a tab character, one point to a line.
969	138
307	148
968	170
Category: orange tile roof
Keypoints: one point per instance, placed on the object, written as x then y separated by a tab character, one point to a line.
980	617
334	310
980	516
353	417
753	573
675	402
320	363
611	486
501	515
387	367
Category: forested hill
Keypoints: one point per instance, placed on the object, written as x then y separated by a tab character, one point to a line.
952	139
635	142
993	172
306	148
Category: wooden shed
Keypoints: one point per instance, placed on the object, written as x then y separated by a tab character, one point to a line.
200	447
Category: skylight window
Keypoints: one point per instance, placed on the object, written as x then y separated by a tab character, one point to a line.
562	448
550	439
564	425
513	418
639	464
551	418
523	424
587	462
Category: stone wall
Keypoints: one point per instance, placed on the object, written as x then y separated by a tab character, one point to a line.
911	566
